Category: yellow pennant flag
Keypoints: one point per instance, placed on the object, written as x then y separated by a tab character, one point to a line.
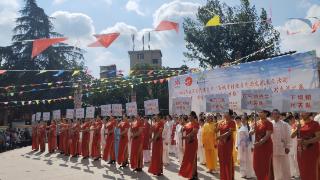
75	73
215	21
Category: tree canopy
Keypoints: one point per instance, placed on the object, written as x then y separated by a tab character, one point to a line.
217	45
32	24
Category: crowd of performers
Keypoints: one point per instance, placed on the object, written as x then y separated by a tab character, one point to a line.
267	145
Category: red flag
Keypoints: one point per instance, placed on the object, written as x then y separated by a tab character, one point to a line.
315	26
39	45
168	25
2	71
104	40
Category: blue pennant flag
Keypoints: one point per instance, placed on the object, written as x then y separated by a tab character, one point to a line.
59	73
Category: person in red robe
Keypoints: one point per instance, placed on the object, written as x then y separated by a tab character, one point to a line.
188	168
308	134
263	147
123	143
85	129
75	135
109	146
156	165
52	139
225	146
146	140
35	144
136	156
66	137
96	148
61	135
42	136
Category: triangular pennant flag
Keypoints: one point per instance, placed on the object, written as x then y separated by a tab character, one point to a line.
2	71
104	40
215	21
162	80
42	71
49	84
167	25
59	73
150	72
37	101
75	72
39	45
315	27
155	81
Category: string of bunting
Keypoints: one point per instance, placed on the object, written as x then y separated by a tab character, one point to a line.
87	87
105	80
37	101
102	40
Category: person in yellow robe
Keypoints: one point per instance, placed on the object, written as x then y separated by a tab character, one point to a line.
209	144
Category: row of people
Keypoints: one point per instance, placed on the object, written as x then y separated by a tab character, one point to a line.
263	148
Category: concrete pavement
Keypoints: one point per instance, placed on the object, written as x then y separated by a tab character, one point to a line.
23	164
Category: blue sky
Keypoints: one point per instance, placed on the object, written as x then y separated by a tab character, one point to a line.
80	19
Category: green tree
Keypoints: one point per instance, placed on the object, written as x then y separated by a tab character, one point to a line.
217	45
35	24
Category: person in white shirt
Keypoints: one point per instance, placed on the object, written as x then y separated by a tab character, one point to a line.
281	147
244	146
166	140
200	152
91	136
294	168
179	142
103	134
317	118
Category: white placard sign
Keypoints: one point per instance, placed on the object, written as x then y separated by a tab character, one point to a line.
106	110
46	116
217	103
33	117
90	112
182	105
56	114
307	100
80	113
151	107
70	114
117	109
38	116
256	99
131	109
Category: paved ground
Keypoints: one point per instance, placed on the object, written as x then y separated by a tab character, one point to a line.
23	164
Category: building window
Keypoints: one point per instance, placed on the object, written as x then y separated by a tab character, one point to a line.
140	56
154	61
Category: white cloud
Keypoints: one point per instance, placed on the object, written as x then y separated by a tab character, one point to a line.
133	5
108	1
304	40
59	1
175	10
78	27
8	13
171	43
